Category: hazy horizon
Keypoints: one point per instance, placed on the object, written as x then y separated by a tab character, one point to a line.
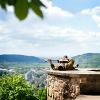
50	56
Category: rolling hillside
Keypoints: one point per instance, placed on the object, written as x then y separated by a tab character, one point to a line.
91	60
20	58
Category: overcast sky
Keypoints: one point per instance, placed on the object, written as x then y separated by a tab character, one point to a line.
69	27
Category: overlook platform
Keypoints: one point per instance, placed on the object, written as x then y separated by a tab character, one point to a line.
68	85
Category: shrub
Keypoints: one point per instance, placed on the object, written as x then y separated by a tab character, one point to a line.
41	94
14	87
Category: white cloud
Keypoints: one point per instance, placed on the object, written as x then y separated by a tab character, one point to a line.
86	12
96	18
10	8
95	10
41	37
54	11
58	12
94	13
35	39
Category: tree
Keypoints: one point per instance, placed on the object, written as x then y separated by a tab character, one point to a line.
41	94
14	87
22	7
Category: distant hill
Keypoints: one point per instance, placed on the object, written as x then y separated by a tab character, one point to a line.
91	60
19	58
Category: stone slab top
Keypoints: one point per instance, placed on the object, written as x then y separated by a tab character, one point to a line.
74	73
88	97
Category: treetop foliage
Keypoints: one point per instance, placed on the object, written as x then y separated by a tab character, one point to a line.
14	87
21	7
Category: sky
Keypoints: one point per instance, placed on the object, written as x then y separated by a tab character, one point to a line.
69	27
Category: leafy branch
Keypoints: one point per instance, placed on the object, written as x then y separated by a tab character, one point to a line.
22	7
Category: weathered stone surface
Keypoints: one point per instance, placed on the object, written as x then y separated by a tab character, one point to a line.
61	88
91	86
65	85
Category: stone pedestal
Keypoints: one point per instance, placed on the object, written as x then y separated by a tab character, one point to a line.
91	86
65	85
62	87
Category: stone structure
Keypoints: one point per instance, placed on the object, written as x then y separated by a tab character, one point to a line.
90	85
65	85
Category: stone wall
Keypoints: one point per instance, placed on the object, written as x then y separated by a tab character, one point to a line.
62	88
67	85
91	85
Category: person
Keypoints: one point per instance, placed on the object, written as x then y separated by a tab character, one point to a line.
63	64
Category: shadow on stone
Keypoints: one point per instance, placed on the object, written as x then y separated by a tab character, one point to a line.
90	89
